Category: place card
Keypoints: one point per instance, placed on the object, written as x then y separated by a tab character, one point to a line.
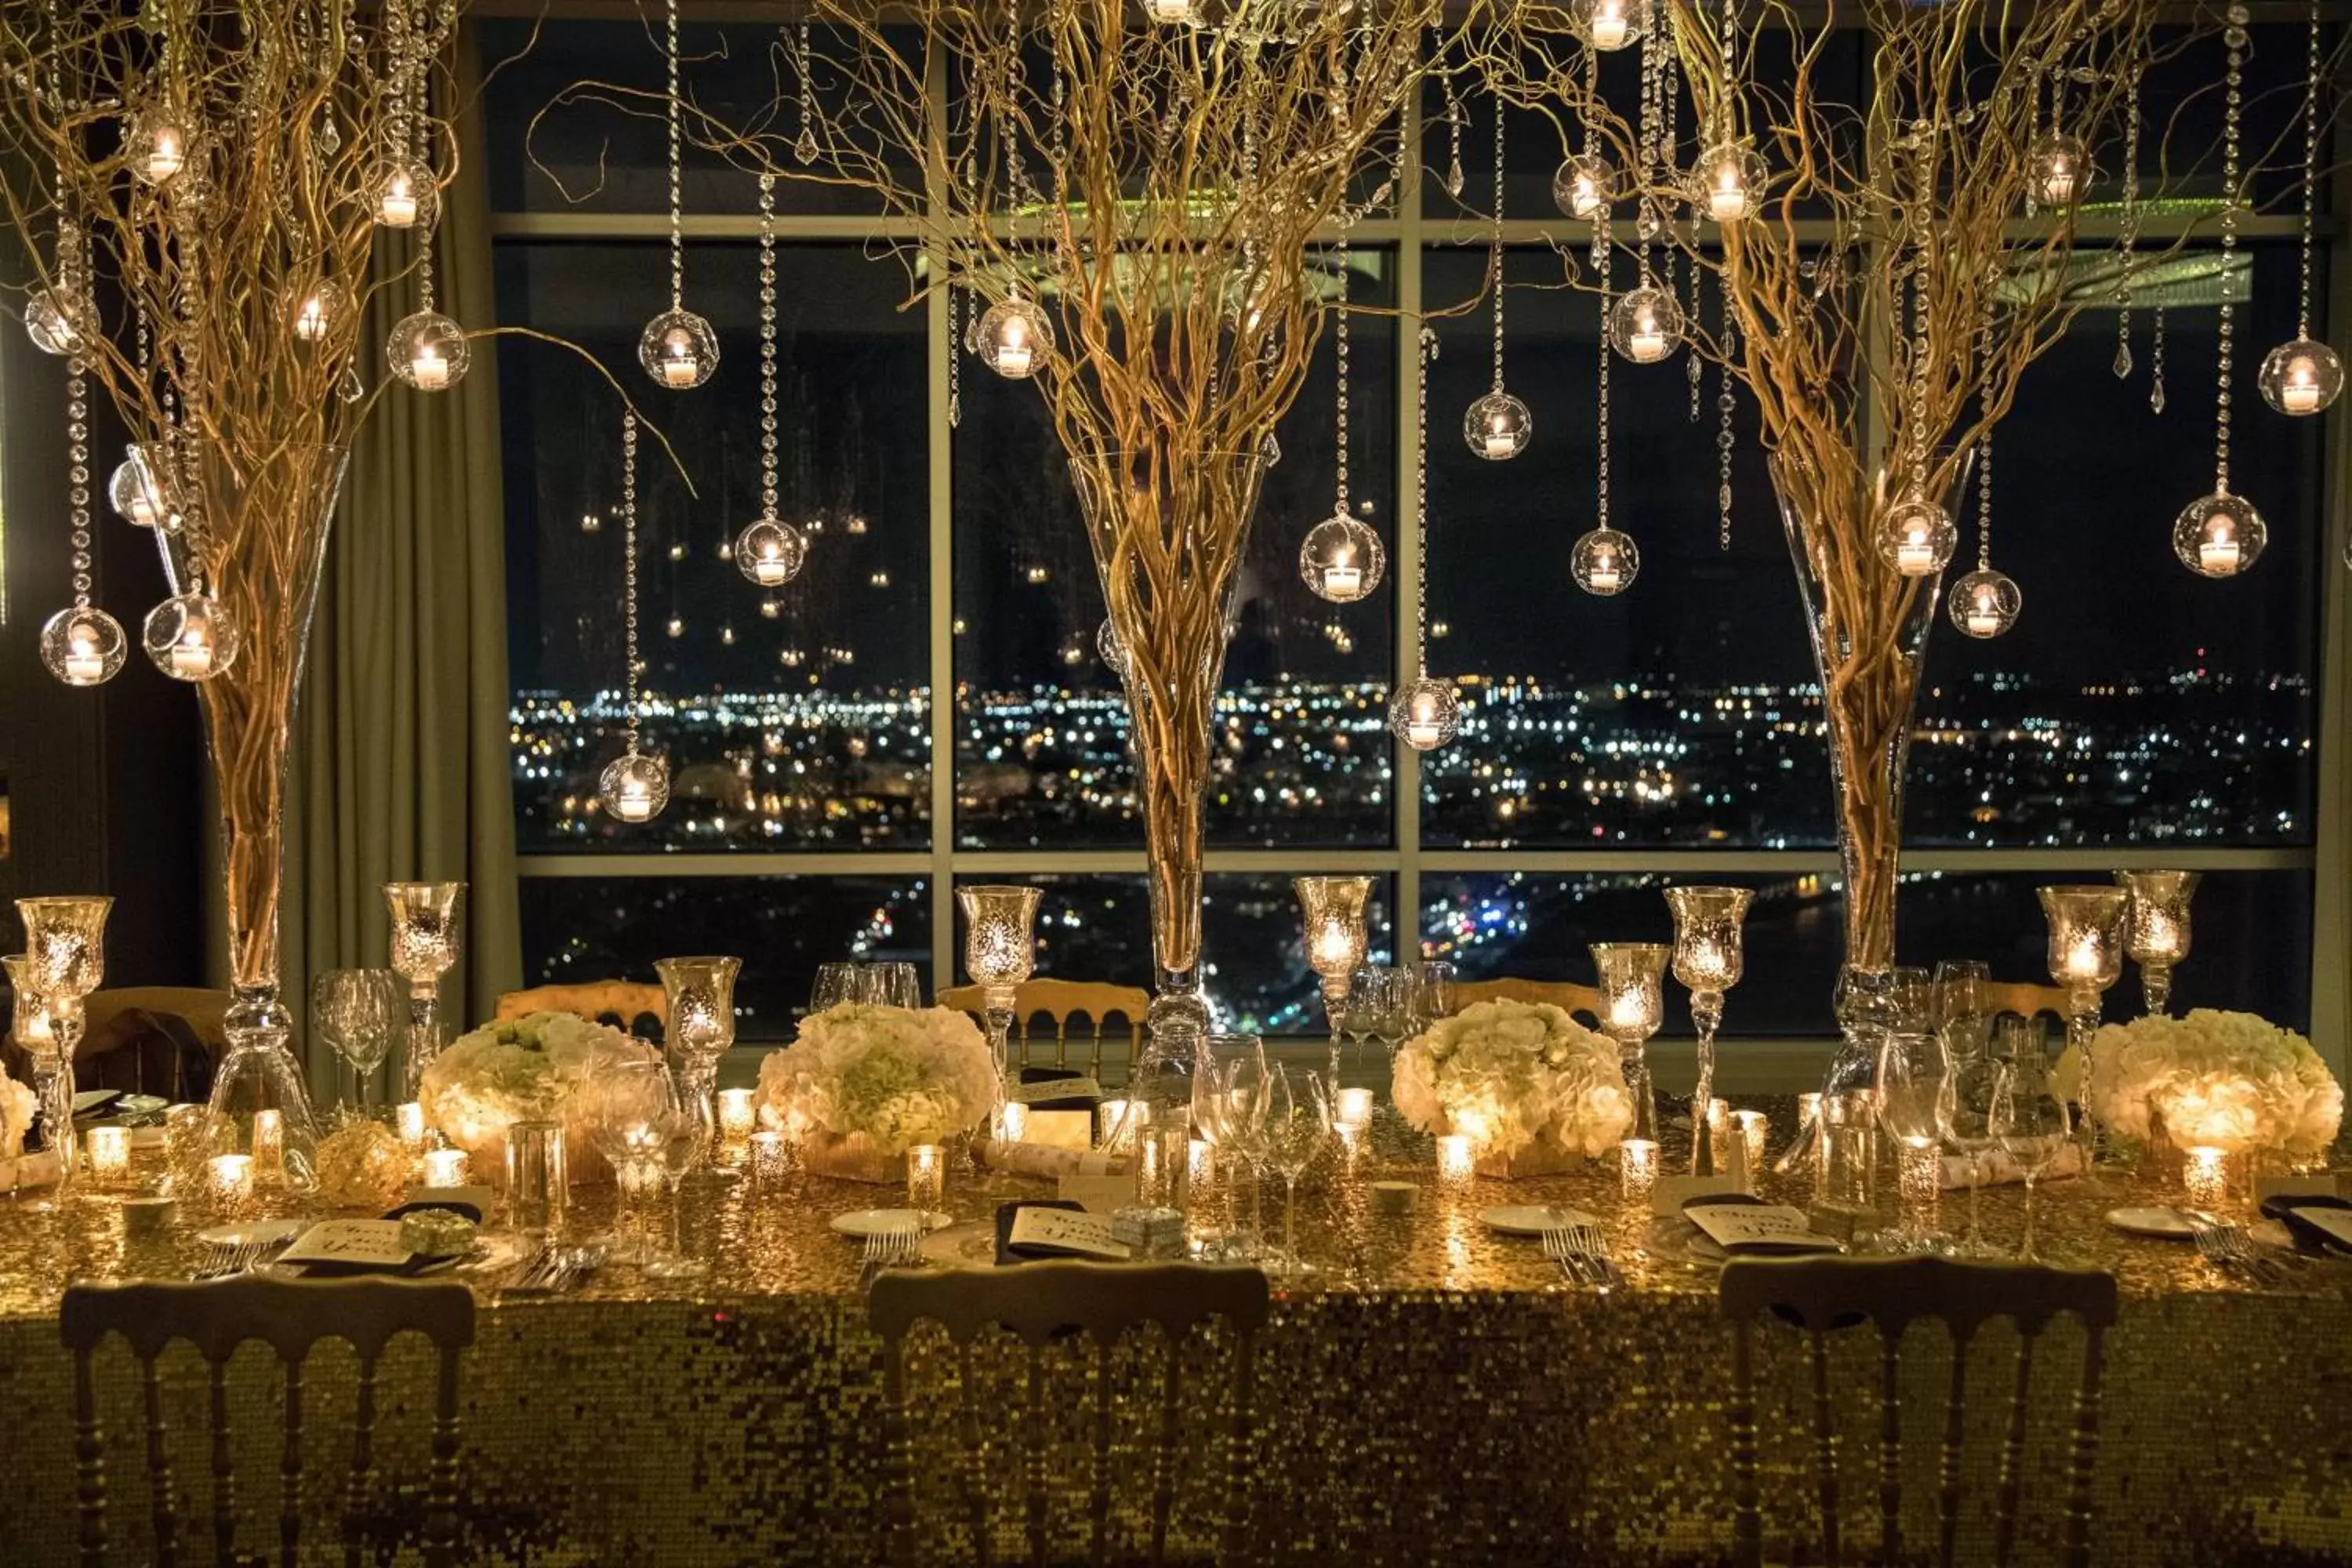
1052	1091
373	1243
1101	1194
1064	1232
1758	1227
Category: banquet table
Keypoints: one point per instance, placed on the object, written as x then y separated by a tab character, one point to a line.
1435	1392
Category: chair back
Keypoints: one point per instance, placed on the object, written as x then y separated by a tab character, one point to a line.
626	1004
1044	1302
1820	1294
150	1040
2025	1000
1059	1001
291	1316
1565	995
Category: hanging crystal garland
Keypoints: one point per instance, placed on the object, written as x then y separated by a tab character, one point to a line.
1013	337
2127	245
678	348
81	645
633	787
428	350
2305	377
1425	713
1646	324
1916	537
1498	425
769	551
53	316
2220	534
1605	561
402	188
1727	183
1342	558
1985	603
1585	186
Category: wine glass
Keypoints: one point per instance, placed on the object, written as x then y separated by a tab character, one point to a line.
1960	1015
1392	1024
1915	1107
1297	1120
890	985
2029	1119
358	1012
835	984
625	1108
1433	992
1229	1106
679	1147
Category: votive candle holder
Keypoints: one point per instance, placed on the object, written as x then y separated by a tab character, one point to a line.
1355	1108
1919	1183
1012	1122
1458	1158
408	1120
927	1176
444	1168
739	1114
2204	1177
538	1183
228	1179
1200	1164
269	1147
108	1151
1637	1168
1113	1116
1755	1130
770	1156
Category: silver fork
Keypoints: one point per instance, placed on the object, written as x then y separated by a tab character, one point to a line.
230	1258
1557	1247
1588	1243
2228	1247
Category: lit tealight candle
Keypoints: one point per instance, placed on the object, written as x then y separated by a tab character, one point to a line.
191	655
1637	1168
1343	582
1604	575
739	1114
167	154
2202	1177
680	368
444	1168
1983	622
927	1176
1916	556
1648	343
1808	1110
109	1154
427	370
1728	202
1501	443
2058	182
2301	393
269	1145
409	1120
2219	557
1457	1157
1200	1162
1422	734
397	210
311	321
2084	958
84	664
1584	198
1610	27
1012	1122
635	802
1013	355
229	1178
1113	1116
1355	1106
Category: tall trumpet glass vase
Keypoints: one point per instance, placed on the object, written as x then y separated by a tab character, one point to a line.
701	1028
63	961
1168	527
1332	911
1709	960
1000	952
2087	951
2157	929
426	922
255	519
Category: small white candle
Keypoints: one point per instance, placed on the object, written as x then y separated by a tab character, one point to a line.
444	1168
1013	354
1983	622
1012	1122
269	1145
310	322
191	655
1608	28
2058	182
109	1154
83	664
2219	557
1915	557
679	369
1628	1010
398	207
1343	582
229	1178
2084	958
636	803
2301	393
1604	576
1422	734
926	1173
409	1120
738	1114
1355	1106
167	154
1584	198
1501	443
2202	1177
1648	343
1457	1157
1754	1129
1637	1168
427	370
1728	202
769	568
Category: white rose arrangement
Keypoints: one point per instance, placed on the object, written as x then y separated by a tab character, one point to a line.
18	1105
524	1069
1510	1074
896	1076
2224	1080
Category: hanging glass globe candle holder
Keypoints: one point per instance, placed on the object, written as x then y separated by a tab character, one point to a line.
1172	13
769	553
316	309
679	349
1605	562
1609	24
157	145
2059	169
1497	426
404	193
634	786
1916	537
1425	713
1341	559
2302	377
1727	182
83	645
192	636
51	320
2220	535
1013	339
428	350
129	490
1986	602
1584	188
1645	325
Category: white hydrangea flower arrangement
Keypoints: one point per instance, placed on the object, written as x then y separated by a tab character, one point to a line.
2226	1080
1512	1075
18	1105
524	1069
894	1077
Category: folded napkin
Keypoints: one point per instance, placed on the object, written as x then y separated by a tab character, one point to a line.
1995	1168
1037	1160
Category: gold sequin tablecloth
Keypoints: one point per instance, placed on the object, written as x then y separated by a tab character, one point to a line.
1438	1396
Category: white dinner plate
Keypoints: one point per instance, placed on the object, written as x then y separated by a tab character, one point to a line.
2168	1224
972	1244
862	1223
1534	1220
254	1232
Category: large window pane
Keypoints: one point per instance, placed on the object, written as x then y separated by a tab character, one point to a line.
1302	755
577	930
807	727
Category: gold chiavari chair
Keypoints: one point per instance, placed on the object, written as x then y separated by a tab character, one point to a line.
1046	1302
1565	995
1060	1001
1823	1295
623	1003
2025	1000
291	1316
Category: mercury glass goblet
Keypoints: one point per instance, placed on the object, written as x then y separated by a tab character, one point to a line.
2156	932
1000	952
35	1034
425	918
1709	960
65	960
701	1028
2086	949
1333	909
1632	1003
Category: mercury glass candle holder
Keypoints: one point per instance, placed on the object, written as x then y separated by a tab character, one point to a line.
2086	949
1000	952
1333	910
1633	1005
2156	931
65	960
425	921
700	1029
1708	959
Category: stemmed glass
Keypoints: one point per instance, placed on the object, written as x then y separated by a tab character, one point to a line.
1333	910
1433	992
1000	951
425	934
1293	1128
2029	1121
1709	960
1392	1024
2157	929
1916	1104
681	1142
2086	950
1960	1015
1633	1005
701	996
65	959
626	1108
1228	1077
889	985
835	984
357	1012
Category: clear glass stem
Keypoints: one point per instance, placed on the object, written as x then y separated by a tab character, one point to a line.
2026	1252
1290	1220
698	1084
2156	988
424	1036
1258	1210
53	1086
1976	1232
1706	1011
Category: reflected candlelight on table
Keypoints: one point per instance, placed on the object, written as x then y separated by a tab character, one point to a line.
229	1179
109	1154
409	1119
444	1168
1637	1168
739	1114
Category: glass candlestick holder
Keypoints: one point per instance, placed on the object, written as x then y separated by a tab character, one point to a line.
1000	952
2156	931
426	923
1709	960
701	1030
1333	910
65	961
1633	1005
2086	949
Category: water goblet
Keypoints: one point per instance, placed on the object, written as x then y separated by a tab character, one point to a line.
1433	992
835	982
681	1144
425	918
1960	1017
2156	929
1297	1121
626	1108
2029	1120
894	985
357	1012
1228	1082
1916	1109
1709	960
1393	1023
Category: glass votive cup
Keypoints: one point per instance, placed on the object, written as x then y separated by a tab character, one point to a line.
1162	1155
1843	1179
1755	1131
739	1114
1919	1178
1637	1168
1111	1117
2204	1177
269	1147
1458	1158
927	1176
1011	1121
537	1182
1808	1110
228	1182
108	1151
771	1157
445	1167
408	1120
1200	1163
1354	1108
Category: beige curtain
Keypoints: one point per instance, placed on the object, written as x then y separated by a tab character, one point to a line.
400	768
